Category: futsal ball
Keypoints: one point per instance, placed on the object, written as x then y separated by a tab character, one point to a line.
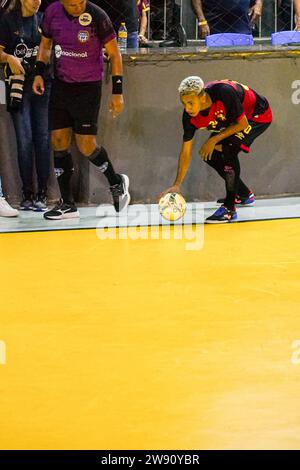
172	206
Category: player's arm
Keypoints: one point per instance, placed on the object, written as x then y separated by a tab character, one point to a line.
43	58
183	166
234	128
235	116
117	101
211	144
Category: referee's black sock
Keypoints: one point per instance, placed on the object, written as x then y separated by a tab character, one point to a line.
100	158
63	167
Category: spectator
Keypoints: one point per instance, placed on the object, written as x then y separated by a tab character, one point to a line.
176	36
226	16
285	22
121	11
29	112
5	209
143	7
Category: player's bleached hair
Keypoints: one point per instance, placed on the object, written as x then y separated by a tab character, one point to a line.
191	86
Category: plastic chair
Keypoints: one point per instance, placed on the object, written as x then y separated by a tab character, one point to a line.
285	37
228	40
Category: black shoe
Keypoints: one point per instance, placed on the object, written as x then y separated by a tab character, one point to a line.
120	194
222	215
40	202
62	211
169	42
27	202
178	38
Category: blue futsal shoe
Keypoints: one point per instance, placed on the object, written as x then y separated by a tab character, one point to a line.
221	216
241	201
246	201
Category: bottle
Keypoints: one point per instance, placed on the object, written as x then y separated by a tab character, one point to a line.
122	38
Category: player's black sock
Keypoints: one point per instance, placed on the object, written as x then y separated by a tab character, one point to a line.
100	158
217	163
232	175
63	167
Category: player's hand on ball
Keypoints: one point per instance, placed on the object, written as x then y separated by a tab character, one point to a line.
116	105
207	149
173	189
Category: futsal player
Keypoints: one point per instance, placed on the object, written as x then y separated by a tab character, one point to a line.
236	115
77	31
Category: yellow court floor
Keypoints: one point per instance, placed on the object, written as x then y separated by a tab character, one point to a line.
145	344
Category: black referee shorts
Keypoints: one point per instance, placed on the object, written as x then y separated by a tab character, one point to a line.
75	105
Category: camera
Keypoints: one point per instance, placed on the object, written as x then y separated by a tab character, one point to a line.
16	86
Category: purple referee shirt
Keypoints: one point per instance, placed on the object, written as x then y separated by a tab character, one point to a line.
78	42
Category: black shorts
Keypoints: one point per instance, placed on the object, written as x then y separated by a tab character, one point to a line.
242	140
75	105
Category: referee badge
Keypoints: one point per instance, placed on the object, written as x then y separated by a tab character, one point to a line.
83	36
85	19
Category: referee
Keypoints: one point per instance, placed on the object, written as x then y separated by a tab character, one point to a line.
77	31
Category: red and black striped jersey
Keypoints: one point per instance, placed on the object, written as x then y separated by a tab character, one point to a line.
231	101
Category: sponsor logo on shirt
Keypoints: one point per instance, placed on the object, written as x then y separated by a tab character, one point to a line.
220	115
85	19
21	50
60	52
24	52
57	51
83	36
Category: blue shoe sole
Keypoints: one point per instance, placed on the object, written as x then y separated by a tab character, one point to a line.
221	221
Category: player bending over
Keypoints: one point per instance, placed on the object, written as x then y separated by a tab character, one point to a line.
236	115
